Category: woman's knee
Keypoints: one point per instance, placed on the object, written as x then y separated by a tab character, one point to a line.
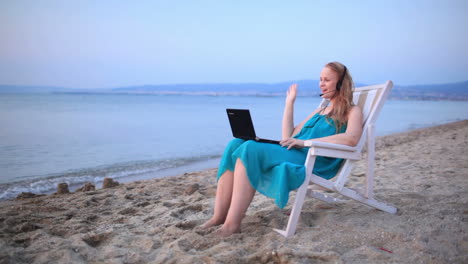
252	148
250	144
234	144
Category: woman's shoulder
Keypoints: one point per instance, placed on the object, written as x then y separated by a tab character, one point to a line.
355	113
355	110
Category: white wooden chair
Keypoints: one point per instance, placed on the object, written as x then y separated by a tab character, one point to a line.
370	99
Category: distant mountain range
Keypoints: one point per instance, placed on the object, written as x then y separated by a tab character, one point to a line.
449	91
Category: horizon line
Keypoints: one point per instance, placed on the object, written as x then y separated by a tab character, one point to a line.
216	83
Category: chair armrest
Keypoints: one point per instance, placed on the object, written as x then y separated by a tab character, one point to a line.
311	143
334	151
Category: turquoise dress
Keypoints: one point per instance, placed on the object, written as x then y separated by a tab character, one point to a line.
273	170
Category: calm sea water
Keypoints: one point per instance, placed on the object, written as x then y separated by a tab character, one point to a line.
75	138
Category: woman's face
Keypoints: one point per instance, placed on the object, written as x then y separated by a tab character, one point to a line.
328	80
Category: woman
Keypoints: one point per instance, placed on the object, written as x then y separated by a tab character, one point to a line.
274	170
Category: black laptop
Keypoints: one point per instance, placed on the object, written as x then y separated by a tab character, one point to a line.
242	126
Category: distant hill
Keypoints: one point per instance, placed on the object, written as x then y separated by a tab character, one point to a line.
449	91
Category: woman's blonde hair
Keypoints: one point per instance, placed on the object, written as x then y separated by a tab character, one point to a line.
343	98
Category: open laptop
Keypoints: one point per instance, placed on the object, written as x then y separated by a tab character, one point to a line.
242	126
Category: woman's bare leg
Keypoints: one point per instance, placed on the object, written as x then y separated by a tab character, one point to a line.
242	195
222	200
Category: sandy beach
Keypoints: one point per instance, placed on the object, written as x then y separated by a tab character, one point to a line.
424	173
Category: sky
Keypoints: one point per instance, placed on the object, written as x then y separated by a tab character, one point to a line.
114	43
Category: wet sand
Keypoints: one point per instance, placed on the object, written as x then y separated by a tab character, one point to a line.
424	173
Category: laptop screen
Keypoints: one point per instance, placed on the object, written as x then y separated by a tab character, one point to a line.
241	123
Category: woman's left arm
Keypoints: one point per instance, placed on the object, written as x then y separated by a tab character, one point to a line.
350	137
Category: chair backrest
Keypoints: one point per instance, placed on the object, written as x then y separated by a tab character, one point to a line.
371	100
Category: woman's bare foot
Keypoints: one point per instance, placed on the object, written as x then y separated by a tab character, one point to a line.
210	223
226	231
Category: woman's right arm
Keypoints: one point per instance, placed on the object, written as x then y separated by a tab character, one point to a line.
288	129
288	120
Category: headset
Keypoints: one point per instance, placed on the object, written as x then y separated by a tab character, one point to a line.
340	82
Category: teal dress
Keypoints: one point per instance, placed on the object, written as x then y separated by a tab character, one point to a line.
273	170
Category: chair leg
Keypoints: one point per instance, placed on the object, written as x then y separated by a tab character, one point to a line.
369	190
370	202
323	197
298	202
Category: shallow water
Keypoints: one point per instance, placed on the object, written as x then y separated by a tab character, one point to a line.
50	138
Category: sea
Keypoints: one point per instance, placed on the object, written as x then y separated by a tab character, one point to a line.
46	139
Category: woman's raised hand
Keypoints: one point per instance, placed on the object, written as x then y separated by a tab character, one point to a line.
291	93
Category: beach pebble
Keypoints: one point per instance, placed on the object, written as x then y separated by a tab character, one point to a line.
62	188
87	187
109	183
27	195
27	227
192	188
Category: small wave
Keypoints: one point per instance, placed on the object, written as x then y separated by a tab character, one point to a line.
47	184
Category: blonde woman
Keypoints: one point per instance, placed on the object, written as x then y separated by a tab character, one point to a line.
275	170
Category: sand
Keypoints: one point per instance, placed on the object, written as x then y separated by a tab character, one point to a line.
423	173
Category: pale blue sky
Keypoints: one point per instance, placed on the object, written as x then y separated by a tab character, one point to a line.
96	44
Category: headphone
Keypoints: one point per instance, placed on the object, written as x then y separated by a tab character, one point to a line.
340	82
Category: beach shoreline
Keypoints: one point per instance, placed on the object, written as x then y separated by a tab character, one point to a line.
76	178
422	172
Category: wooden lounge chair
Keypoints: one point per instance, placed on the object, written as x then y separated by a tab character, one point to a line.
370	99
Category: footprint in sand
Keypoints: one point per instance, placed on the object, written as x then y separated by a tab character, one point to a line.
312	218
91	218
58	231
194	243
140	203
171	204
26	227
128	211
187	210
22	241
94	240
149	218
188	225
